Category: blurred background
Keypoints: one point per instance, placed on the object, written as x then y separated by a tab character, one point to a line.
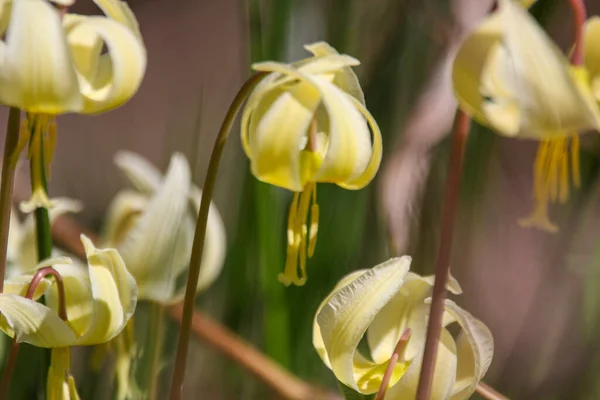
538	292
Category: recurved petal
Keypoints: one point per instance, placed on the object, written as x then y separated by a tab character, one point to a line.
144	176
35	37
118	74
348	313
278	128
119	11
148	247
592	53
475	351
345	78
443	379
33	323
317	337
114	291
19	284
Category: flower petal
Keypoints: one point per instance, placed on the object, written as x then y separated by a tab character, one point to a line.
19	284
120	12
35	38
475	351
118	74
443	378
592	53
114	291
345	78
33	323
122	216
317	337
348	313
148	248
144	176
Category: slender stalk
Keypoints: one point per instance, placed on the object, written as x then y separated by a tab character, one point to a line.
6	185
489	392
579	16
200	233
387	376
442	269
153	350
14	348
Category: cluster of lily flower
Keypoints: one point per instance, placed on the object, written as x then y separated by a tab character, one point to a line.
303	123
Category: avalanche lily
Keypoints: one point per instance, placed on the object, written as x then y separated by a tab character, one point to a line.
510	76
53	63
98	303
153	228
379	305
305	123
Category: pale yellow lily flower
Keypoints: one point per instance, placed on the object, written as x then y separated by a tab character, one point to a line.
306	123
22	250
510	76
52	63
99	302
153	228
591	53
379	305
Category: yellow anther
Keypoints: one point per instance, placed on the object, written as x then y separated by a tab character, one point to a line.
551	179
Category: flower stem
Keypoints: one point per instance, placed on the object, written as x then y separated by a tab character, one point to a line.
14	347
442	269
579	16
200	233
488	392
153	350
387	376
6	185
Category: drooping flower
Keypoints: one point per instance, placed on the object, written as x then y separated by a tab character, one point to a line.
510	76
305	123
53	63
99	302
153	228
380	304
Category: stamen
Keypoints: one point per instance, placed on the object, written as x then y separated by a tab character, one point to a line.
24	136
298	236
551	179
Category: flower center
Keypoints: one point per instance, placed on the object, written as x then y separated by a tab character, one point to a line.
556	159
299	235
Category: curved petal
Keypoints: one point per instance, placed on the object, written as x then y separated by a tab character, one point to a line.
35	38
144	176
148	247
348	313
443	379
19	284
344	78
556	109
120	12
33	323
117	75
114	291
592	53
276	134
317	337
122	216
475	351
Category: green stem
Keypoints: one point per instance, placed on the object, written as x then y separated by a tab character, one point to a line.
200	233
153	350
6	185
43	241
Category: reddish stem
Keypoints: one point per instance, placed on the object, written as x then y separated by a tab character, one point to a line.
442	269
579	17
14	347
489	392
387	376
